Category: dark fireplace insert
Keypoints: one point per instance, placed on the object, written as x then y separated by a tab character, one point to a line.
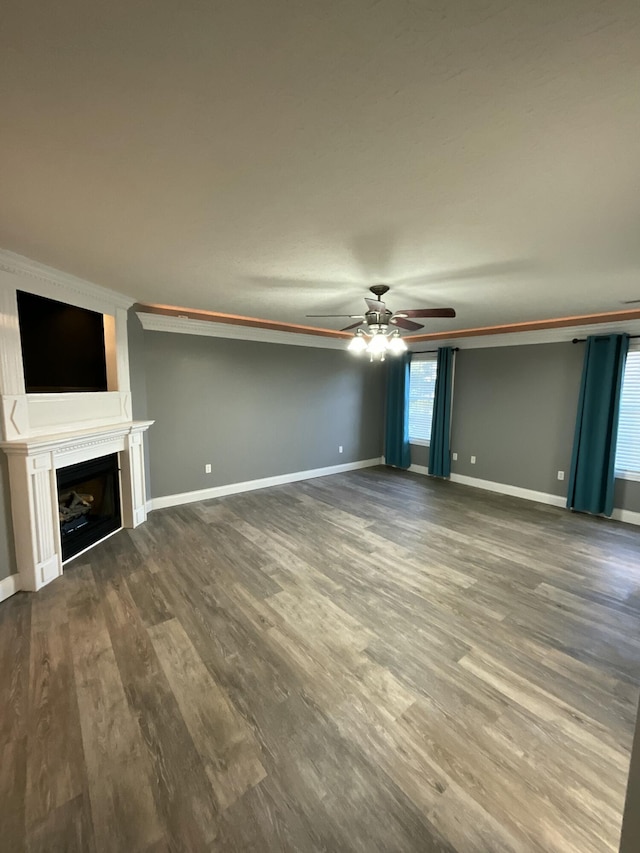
88	503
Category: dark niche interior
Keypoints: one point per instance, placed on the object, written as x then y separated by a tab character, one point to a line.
88	503
63	348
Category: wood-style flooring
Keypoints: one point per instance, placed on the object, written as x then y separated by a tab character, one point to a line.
373	661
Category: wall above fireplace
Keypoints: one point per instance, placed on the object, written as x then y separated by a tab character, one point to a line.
25	414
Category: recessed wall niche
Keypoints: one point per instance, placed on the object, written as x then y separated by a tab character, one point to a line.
63	346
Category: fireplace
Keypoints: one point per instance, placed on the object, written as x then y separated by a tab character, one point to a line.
88	503
75	454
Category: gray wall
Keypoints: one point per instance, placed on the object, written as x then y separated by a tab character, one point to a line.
254	410
7	554
514	409
627	495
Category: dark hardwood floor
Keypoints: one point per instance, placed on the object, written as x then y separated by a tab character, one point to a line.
372	661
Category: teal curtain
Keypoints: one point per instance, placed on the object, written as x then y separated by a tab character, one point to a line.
396	437
592	475
439	450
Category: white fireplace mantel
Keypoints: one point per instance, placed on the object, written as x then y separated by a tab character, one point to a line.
33	464
42	433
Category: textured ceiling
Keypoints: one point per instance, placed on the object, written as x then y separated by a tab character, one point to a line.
276	158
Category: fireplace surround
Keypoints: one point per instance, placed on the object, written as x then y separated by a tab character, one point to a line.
45	435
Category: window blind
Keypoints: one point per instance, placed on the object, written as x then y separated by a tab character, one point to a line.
422	386
628	447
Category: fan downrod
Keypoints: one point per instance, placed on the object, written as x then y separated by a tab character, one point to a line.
379	289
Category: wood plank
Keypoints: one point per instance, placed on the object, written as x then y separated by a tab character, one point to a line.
230	754
122	806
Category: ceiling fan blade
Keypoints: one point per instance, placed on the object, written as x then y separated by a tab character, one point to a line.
352	326
426	312
374	305
406	324
352	316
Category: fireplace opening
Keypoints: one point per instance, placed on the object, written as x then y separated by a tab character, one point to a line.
88	503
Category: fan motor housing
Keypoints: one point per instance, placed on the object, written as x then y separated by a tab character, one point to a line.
378	318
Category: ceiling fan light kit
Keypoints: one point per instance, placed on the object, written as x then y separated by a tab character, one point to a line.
377	345
378	338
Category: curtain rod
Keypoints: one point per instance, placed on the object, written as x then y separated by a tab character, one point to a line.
423	351
583	340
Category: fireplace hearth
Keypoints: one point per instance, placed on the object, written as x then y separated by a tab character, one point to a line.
88	503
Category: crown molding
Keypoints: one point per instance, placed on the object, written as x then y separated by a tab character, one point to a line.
241	320
209	328
534	331
55	284
466	339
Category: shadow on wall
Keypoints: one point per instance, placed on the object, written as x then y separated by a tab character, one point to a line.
7	549
366	428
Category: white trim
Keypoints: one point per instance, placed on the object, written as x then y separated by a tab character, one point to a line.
186	326
263	483
421	442
513	491
541	336
618	514
90	547
148	506
9	586
47	281
419	469
628	475
626	515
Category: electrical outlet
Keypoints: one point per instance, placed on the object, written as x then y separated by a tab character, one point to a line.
561	475
340	448
207	468
455	457
473	460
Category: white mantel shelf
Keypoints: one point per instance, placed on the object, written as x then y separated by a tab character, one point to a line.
69	441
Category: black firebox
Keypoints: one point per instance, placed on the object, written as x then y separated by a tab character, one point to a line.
88	503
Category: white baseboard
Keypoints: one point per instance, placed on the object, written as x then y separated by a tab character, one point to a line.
419	469
513	491
9	586
263	483
625	515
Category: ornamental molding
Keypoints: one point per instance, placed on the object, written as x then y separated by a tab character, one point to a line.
65	284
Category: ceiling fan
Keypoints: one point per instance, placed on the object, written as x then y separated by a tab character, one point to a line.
378	320
379	315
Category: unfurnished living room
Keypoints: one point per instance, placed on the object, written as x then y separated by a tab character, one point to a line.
320	426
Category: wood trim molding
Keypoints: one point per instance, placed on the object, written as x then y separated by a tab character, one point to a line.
531	326
239	320
168	318
209	328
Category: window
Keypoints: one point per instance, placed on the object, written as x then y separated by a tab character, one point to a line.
422	386
628	447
